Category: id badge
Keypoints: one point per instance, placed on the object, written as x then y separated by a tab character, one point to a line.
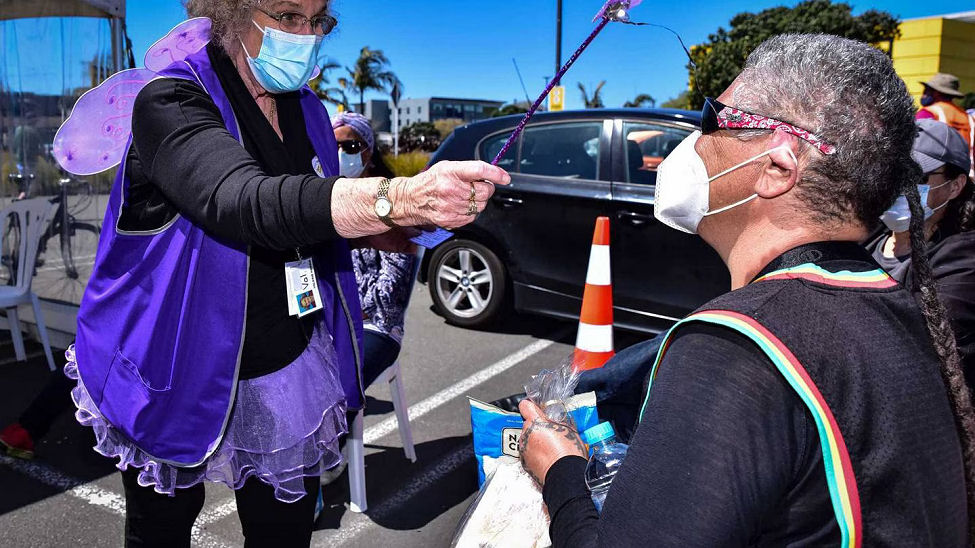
303	295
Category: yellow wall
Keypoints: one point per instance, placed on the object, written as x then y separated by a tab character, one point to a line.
932	45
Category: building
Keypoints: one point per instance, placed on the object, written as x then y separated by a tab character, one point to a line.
430	109
940	43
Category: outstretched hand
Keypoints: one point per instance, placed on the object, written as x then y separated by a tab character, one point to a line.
441	195
543	442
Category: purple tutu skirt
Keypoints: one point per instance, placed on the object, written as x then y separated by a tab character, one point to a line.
284	426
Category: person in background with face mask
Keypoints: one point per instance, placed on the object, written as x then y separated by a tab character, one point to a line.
358	154
948	198
385	278
815	403
200	354
938	103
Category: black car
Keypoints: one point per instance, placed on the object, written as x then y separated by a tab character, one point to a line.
530	248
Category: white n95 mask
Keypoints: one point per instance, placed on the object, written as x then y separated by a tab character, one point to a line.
898	217
682	196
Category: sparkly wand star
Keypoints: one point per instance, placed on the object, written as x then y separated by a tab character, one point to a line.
612	11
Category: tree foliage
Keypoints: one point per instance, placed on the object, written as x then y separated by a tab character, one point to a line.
369	73
683	100
641	100
596	101
323	88
721	58
421	136
447	126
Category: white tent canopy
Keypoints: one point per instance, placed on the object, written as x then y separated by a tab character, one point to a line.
20	9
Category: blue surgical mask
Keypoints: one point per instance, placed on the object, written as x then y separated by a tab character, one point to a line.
350	165
927	100
898	217
286	61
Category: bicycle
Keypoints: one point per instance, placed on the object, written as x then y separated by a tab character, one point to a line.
66	226
63	224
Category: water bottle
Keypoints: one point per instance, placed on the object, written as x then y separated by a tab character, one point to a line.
606	456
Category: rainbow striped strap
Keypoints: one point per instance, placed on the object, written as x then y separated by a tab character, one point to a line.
836	459
871	279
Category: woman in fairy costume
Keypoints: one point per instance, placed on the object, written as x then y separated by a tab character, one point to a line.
200	356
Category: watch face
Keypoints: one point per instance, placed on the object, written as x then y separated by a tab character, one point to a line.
383	207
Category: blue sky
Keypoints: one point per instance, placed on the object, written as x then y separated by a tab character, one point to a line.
464	48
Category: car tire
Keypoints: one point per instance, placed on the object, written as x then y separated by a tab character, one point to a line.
468	284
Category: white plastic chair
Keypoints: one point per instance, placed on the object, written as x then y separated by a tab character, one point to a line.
354	446
31	221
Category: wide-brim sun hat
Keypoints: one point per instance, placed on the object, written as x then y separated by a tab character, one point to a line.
945	83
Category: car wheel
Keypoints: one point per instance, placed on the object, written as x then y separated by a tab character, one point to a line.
467	283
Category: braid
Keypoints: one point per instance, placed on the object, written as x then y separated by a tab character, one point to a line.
943	338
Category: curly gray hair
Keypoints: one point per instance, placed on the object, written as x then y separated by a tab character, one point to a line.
847	93
230	18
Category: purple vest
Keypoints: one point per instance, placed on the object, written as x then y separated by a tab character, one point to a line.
161	324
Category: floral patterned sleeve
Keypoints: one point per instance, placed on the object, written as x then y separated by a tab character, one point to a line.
385	282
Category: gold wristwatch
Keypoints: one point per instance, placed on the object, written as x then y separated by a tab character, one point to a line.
384	206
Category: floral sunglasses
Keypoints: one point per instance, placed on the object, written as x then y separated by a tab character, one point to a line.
716	115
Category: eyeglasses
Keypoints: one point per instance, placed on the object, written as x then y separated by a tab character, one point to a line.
352	146
716	115
295	22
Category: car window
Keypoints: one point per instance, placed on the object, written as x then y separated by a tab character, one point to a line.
647	145
491	146
569	150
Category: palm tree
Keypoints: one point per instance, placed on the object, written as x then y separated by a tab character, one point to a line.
596	101
641	100
370	72
321	86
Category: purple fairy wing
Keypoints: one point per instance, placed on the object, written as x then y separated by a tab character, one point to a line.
617	10
94	136
185	39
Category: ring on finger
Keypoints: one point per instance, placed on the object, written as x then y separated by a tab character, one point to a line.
473	192
472	208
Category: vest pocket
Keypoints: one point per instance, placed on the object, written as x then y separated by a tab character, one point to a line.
123	368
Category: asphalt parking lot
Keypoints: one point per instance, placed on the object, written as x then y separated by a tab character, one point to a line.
68	495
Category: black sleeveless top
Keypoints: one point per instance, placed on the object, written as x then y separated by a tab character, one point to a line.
854	346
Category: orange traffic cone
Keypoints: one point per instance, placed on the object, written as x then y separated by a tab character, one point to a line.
594	343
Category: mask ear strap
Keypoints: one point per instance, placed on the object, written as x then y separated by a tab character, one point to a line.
752	159
746	162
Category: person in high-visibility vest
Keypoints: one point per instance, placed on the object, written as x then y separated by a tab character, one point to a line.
937	102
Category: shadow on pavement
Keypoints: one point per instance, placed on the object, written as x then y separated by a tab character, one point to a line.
378	407
64	457
404	495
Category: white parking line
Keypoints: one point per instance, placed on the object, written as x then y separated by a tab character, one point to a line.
381	429
93	495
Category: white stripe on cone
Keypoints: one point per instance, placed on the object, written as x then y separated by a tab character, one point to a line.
598	273
595	338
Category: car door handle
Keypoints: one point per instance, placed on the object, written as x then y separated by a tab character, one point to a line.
635	219
508	201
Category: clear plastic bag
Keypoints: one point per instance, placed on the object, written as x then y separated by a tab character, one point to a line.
508	511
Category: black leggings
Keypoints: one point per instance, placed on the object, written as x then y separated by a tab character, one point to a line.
153	520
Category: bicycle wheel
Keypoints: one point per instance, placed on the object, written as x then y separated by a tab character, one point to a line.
77	238
10	255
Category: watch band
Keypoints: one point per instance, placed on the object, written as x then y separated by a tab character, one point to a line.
383	194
